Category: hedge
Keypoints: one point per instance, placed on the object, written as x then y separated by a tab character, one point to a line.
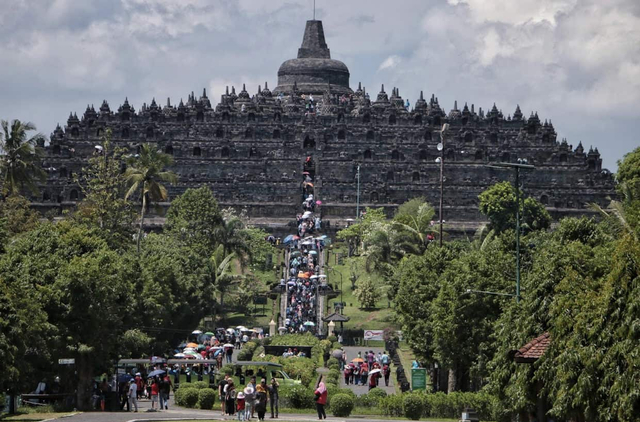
206	398
246	353
186	397
297	397
438	405
412	406
341	405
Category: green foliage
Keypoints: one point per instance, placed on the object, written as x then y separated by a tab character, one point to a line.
412	406
333	363
200	385
227	369
355	233
297	396
206	398
259	248
372	398
391	405
103	204
367	292
333	376
498	203
246	353
192	217
628	175
187	397
341	405
16	216
21	160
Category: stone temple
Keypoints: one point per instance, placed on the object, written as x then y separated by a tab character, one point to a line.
252	149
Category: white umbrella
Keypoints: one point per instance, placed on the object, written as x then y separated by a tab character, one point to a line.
227	345
375	371
313	277
179	355
239	327
282	329
196	332
309	324
230	330
189	349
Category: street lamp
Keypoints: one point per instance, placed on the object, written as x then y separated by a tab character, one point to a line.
440	160
521	164
341	289
358	194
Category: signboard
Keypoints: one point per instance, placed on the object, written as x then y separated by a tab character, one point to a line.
373	334
418	379
66	361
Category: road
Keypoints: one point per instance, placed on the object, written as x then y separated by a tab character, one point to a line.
352	352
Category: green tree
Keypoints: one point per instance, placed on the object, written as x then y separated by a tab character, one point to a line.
367	292
222	270
413	220
194	217
498	203
145	174
22	157
232	235
16	216
103	185
354	234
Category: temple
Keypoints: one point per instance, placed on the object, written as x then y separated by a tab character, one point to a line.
252	148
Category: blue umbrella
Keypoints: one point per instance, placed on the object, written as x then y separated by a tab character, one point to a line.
288	239
217	353
156	373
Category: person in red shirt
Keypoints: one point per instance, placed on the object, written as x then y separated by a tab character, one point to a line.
387	372
373	381
321	400
155	390
364	373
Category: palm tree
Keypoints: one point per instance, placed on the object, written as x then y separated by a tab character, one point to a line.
221	264
233	238
145	172
21	160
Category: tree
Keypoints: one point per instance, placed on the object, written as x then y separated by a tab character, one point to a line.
498	203
413	220
367	292
231	234
195	217
628	175
22	157
103	186
222	272
355	233
145	173
16	216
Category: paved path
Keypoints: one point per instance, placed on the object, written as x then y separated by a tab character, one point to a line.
352	353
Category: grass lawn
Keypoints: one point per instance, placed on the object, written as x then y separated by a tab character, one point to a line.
377	318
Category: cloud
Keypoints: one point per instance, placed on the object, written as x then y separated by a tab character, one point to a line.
389	63
575	62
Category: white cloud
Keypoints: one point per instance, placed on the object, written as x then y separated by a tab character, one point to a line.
390	63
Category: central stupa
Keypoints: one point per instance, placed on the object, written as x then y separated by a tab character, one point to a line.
314	72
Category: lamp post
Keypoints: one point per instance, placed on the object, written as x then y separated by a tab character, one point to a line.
521	164
341	289
440	160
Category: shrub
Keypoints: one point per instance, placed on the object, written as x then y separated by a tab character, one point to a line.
441	405
206	398
412	406
186	397
333	363
227	370
372	398
391	405
333	376
297	397
246	353
200	384
332	338
336	345
341	405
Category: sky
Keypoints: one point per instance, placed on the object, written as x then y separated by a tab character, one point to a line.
575	62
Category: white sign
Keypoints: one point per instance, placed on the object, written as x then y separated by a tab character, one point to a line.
66	361
373	334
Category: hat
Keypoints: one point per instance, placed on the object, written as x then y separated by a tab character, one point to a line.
241	395
131	381
248	390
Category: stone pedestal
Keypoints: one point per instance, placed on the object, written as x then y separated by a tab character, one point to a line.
272	328
331	326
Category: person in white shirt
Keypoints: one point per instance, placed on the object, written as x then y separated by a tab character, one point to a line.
133	395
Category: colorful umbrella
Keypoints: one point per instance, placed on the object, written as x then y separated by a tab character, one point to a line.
209	333
318	202
156	373
303	275
288	239
192	345
313	252
357	360
310	324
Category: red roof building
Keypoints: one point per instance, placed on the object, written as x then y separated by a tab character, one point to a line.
533	350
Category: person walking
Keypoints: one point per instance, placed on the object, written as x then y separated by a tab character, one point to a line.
230	398
222	391
387	372
240	406
155	390
133	395
274	396
261	399
321	399
249	398
165	391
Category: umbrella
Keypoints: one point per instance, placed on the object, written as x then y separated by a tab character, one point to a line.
357	360
201	347
209	333
291	283
156	373
303	275
337	354
307	214
192	345
124	378
227	345
318	202
190	352
313	277
310	324
296	253
196	332
216	353
288	239
305	172
188	356
313	252
375	371
179	355
282	329
230	330
310	184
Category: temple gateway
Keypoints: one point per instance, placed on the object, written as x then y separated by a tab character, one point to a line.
252	149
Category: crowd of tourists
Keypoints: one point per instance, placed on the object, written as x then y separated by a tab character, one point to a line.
367	369
246	402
